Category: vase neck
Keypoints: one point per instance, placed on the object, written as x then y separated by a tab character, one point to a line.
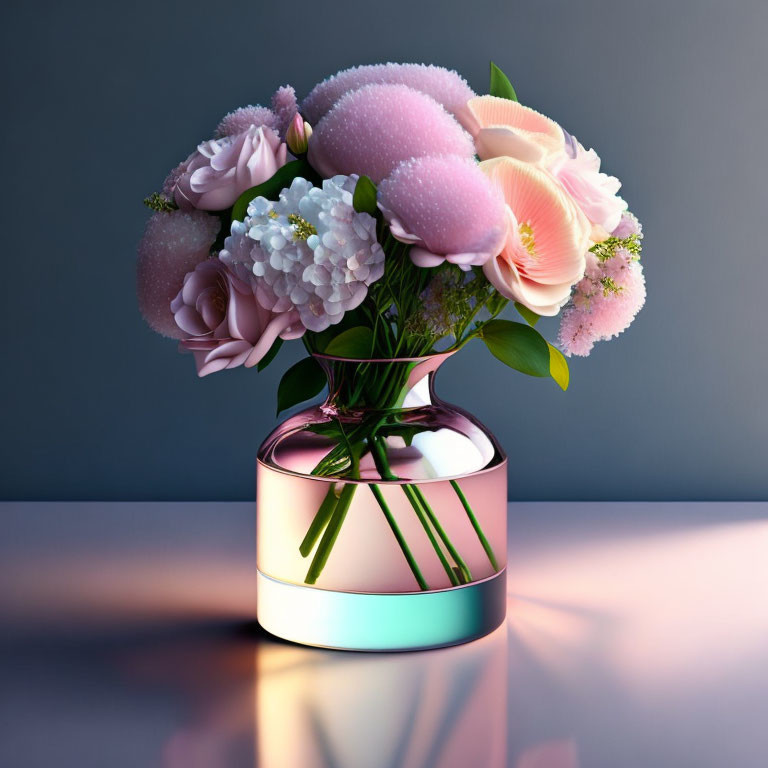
380	385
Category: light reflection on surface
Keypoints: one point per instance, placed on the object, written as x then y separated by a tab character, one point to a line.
629	642
682	608
323	708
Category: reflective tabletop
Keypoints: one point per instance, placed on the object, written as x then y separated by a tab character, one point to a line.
636	635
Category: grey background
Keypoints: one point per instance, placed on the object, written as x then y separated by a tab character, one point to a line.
101	99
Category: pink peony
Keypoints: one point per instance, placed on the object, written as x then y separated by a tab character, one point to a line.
604	302
546	240
173	244
222	322
578	170
445	86
446	206
222	169
375	128
504	128
240	120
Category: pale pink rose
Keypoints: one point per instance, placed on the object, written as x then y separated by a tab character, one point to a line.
547	237
578	170
220	170
223	324
504	128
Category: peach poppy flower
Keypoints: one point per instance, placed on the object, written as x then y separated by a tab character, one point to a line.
504	128
547	237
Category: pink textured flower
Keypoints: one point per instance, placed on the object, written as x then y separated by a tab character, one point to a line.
629	225
222	169
546	240
444	85
375	128
604	302
578	170
446	206
173	244
284	106
240	120
221	321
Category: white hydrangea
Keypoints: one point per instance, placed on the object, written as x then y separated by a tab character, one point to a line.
312	252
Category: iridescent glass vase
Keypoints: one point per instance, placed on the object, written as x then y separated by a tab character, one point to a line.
381	515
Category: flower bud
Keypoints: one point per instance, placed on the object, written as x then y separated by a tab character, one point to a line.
297	135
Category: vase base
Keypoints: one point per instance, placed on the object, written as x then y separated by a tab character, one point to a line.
357	621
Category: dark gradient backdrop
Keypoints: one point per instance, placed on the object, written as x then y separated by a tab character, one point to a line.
100	99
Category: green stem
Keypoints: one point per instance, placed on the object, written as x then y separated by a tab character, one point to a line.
331	533
320	521
475	524
463	569
408	491
399	536
382	465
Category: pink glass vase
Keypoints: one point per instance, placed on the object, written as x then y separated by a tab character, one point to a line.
381	515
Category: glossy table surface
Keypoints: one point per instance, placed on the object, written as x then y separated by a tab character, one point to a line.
637	635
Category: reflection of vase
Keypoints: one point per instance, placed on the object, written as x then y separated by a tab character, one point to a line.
381	515
446	708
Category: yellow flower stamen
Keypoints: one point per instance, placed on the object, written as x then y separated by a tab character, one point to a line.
527	238
610	286
302	228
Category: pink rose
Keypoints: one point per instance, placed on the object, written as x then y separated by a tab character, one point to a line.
220	170
578	170
224	325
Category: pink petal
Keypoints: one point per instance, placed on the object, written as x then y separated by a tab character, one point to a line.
190	322
229	349
276	326
424	258
204	367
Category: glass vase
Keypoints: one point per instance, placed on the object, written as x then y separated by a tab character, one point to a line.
381	515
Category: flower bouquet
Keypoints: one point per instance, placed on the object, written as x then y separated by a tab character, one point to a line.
390	219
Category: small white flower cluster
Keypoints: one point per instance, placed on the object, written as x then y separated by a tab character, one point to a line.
312	252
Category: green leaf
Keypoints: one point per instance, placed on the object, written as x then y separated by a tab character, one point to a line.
529	315
364	198
271	354
500	85
518	346
299	383
355	342
271	188
558	367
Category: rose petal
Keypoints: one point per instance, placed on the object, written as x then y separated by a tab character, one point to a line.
204	367
190	322
229	349
276	326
